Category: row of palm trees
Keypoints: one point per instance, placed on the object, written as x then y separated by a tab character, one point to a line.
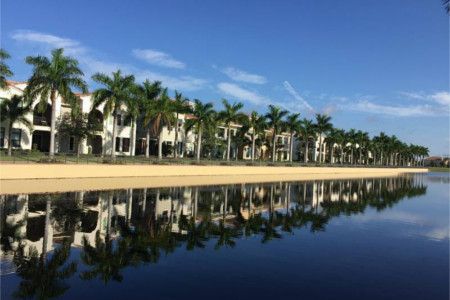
150	103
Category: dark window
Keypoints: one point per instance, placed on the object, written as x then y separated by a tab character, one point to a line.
71	143
126	121
16	135
2	137
126	145
119	120
117	144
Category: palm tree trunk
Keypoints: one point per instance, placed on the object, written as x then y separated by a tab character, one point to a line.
52	123
360	155
253	146
273	145
291	146
306	150
114	135
320	147
77	141
160	143
176	138
147	142
229	144
10	138
199	143
351	154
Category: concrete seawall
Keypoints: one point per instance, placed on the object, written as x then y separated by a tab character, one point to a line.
41	178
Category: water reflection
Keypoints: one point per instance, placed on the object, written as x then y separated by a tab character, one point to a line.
122	228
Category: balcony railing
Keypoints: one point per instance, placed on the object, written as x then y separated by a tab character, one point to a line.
41	121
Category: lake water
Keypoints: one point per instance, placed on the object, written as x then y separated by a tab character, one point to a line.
382	238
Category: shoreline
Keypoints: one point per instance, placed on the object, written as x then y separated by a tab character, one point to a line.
50	178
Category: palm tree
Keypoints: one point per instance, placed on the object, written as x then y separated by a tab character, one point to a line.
323	125
230	114
203	119
332	139
5	71
51	77
147	94
118	91
258	125
14	110
275	116
351	138
181	107
362	138
307	131
161	114
292	125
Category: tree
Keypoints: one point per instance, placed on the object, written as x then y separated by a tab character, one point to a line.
147	94
275	117
78	125
362	138
161	114
5	71
307	131
204	116
332	138
231	114
351	138
323	125
51	77
118	91
14	110
447	5
181	107
258	125
292	125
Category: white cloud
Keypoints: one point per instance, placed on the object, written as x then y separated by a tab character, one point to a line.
303	103
91	64
242	76
398	111
240	93
70	46
183	83
442	98
158	58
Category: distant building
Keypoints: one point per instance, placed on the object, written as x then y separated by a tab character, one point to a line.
433	161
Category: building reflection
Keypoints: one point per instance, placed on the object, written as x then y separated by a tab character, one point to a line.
142	223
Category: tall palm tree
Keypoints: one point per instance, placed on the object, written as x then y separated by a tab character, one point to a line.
14	110
275	117
118	91
292	125
51	77
5	71
147	94
323	125
231	114
161	114
258	125
307	131
203	119
362	138
351	138
181	107
332	139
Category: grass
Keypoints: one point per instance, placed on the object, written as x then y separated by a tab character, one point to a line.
438	169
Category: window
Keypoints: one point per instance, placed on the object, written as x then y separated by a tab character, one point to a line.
180	124
126	145
117	144
2	137
119	120
16	135
71	143
126	121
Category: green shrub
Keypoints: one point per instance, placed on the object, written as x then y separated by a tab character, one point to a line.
113	161
54	160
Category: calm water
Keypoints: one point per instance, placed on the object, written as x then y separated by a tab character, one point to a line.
359	239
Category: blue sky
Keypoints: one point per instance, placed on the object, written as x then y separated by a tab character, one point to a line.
371	65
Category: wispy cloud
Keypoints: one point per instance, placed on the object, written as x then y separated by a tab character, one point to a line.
158	58
240	93
442	98
302	102
91	63
242	76
50	41
399	111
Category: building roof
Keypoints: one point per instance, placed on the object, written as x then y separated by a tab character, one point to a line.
434	158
